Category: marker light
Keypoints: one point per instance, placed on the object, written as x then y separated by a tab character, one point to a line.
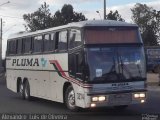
93	105
142	101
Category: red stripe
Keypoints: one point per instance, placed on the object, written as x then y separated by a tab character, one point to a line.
68	78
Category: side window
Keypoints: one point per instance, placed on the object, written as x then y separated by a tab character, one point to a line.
75	38
37	43
12	47
49	42
27	44
19	46
62	45
76	64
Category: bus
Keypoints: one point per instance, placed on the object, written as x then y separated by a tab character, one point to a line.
86	64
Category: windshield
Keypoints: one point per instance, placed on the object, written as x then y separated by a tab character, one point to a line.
116	63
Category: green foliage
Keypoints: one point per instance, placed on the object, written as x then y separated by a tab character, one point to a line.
43	19
39	19
114	16
67	15
148	21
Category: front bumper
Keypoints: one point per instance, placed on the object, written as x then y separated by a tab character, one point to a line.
116	99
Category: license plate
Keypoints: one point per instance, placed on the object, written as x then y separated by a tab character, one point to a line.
120	99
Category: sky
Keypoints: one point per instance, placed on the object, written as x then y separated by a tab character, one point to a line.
12	13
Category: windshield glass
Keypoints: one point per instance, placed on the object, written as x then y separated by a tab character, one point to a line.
116	63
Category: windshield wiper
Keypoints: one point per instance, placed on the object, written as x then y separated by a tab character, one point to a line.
139	70
123	67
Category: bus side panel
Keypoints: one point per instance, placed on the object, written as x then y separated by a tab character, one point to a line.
61	69
79	95
10	75
11	80
56	89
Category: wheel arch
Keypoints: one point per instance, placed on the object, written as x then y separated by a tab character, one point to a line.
65	86
25	79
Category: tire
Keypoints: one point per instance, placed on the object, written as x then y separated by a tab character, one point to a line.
70	99
121	107
21	90
27	91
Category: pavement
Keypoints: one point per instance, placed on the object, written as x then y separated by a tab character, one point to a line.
153	79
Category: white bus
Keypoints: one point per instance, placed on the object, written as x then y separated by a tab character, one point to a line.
84	65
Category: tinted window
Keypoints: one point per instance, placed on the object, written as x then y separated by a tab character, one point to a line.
49	42
19	46
62	45
76	63
37	44
27	42
12	47
75	38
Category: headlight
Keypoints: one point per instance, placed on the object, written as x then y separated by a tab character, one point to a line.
142	95
94	99
136	95
139	95
100	98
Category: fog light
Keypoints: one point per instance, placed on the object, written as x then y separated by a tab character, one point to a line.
93	105
136	95
142	101
102	98
142	95
94	99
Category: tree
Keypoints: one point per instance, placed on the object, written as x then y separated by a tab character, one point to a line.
67	15
114	16
40	19
148	21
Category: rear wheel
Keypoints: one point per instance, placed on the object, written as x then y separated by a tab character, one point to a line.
27	90
21	90
70	99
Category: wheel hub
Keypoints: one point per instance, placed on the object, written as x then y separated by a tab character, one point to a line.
71	99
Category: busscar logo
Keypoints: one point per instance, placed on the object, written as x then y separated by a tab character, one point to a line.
25	62
120	84
150	117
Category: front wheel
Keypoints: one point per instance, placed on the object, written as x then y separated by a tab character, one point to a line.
21	90
70	99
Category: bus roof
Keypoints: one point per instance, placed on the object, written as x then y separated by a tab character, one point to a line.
75	24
